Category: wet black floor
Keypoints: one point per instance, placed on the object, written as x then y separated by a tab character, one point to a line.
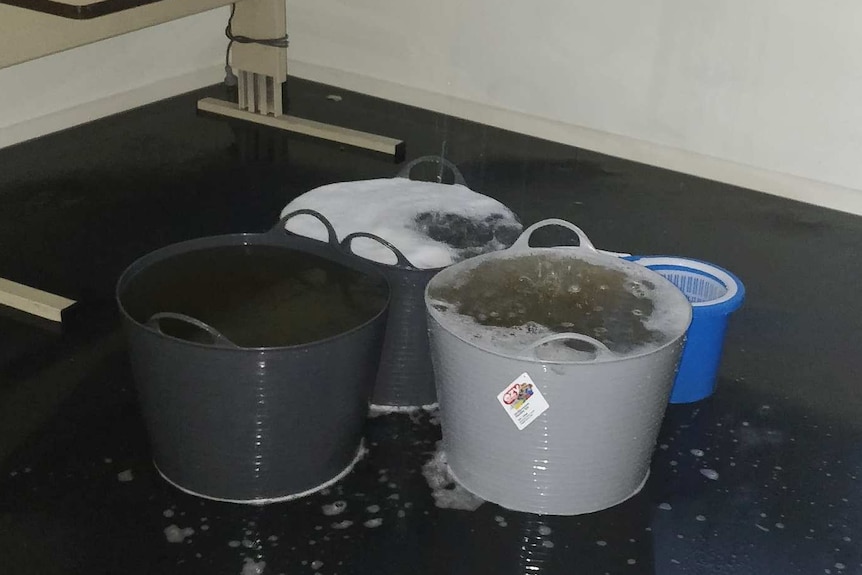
783	432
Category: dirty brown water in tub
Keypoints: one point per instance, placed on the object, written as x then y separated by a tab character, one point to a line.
256	296
562	294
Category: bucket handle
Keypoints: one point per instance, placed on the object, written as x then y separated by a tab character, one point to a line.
601	349
523	241
403	262
218	338
279	229
459	177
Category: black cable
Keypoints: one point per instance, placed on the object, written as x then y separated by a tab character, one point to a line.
230	77
280	42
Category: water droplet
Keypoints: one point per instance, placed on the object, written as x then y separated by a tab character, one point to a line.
700	518
544	530
697	452
665	506
547	544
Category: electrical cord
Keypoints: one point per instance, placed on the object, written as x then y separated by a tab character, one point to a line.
230	78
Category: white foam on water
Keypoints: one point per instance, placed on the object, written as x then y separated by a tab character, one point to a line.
372	523
334	508
547	544
393	209
175	534
697	452
316	564
373	508
125	476
252	567
342	524
544	530
168	512
234	543
447	493
671	311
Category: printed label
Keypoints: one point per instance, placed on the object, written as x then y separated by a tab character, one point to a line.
523	401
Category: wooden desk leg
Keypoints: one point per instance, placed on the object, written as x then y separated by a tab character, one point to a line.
262	70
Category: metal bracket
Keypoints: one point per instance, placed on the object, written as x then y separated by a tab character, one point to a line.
262	70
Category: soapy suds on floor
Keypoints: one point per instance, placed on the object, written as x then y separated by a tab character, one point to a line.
252	567
412	411
711	474
125	476
433	225
447	493
372	523
334	508
176	535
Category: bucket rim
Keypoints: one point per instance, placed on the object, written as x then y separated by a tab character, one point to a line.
361	451
601	358
239	240
724	305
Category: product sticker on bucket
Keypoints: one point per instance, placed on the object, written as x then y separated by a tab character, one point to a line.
523	401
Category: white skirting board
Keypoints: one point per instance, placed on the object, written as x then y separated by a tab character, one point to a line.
113	104
779	184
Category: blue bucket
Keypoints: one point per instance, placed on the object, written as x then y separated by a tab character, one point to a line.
714	293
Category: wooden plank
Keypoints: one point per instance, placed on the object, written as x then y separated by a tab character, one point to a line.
329	132
33	301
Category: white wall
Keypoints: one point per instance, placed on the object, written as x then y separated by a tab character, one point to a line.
761	94
112	75
775	84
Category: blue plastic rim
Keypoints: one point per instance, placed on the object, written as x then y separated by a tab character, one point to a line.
714	293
